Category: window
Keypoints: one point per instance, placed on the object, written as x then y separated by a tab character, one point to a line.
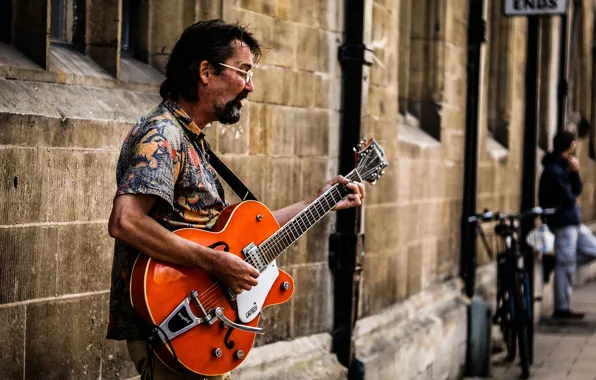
421	59
61	21
5	20
499	69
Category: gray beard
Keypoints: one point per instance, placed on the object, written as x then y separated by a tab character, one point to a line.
229	113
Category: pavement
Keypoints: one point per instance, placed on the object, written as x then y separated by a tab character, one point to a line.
562	351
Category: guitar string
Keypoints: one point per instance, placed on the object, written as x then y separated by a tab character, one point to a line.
212	293
209	291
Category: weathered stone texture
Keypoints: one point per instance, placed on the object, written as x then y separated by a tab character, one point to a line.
31	29
103	33
12	335
59	146
64	338
424	336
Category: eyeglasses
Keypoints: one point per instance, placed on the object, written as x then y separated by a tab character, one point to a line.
248	74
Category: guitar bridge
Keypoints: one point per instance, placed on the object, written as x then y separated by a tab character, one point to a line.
182	319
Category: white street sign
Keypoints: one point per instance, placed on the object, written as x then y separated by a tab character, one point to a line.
535	7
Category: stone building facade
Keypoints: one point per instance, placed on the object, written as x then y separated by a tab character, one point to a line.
78	73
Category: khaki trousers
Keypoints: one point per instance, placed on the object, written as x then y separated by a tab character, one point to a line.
137	349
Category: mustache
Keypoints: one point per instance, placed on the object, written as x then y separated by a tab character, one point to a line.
241	96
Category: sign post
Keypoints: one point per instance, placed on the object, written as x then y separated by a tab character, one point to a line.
534	7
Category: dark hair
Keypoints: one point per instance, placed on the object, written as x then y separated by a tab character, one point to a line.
563	141
204	41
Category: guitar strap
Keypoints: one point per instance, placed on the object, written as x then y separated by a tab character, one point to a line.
224	172
234	182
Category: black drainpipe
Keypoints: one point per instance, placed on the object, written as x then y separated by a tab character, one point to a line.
476	36
529	156
346	244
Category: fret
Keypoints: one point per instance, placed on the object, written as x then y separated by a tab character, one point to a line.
295	228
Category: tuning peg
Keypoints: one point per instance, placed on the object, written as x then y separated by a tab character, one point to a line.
355	150
382	172
374	182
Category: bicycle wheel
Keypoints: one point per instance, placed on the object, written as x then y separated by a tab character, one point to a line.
509	337
522	318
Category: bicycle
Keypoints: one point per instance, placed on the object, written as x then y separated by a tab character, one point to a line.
513	313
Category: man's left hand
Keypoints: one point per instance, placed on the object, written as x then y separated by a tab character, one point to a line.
354	199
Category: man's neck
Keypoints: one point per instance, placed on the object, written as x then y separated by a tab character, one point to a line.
194	111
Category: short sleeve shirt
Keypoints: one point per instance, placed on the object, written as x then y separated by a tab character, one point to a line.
165	154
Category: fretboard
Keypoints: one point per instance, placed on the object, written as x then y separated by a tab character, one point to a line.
277	243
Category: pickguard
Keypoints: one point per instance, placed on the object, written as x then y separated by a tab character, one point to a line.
250	302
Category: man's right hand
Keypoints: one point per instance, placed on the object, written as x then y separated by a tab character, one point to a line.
235	272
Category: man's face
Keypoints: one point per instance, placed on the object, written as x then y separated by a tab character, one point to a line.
230	87
570	151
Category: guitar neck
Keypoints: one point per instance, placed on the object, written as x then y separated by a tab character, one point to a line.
277	243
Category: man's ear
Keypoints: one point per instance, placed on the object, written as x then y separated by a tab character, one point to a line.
205	72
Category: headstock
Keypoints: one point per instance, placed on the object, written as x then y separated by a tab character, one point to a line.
370	160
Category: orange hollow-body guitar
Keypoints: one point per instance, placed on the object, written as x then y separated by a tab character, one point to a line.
201	326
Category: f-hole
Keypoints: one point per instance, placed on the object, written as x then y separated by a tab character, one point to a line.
230	343
219	244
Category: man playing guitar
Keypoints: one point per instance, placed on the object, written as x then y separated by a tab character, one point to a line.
165	181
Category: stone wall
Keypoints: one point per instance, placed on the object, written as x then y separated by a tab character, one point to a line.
64	111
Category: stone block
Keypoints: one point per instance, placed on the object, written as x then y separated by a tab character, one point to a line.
206	10
312	299
401	276
279	38
414	268
74	102
103	34
31	30
327	92
303	358
312	133
51	185
260	123
282	133
278	323
411	215
84	258
12	335
44	261
115	361
298	89
75	331
269	84
457	32
382	229
266	7
405	174
28	262
315	50
387	189
282	183
40	131
163	35
318	14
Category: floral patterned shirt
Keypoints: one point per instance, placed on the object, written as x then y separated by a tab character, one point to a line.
165	154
